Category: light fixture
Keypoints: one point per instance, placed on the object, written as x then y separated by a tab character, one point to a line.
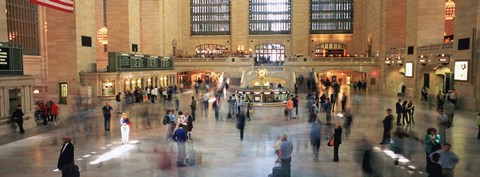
449	10
36	91
102	35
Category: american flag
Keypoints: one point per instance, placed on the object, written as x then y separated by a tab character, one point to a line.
62	5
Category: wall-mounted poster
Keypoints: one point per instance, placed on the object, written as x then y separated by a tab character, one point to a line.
409	69
461	71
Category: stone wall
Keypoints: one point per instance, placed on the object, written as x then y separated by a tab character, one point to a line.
3	22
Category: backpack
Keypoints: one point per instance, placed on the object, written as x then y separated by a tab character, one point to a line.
166	119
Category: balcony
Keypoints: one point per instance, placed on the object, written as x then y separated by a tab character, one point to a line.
435	48
333	61
185	62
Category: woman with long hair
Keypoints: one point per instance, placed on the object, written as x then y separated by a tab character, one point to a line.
432	144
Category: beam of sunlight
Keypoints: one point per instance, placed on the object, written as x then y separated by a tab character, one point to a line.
116	152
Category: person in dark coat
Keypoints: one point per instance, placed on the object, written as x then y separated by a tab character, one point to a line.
18	118
107	115
387	127
241	123
399	110
337	140
193	107
66	155
435	168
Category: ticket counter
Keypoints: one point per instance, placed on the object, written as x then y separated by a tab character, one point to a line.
265	97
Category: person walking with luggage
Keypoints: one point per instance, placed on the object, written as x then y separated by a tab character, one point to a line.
107	114
285	154
180	136
18	118
241	123
399	111
315	137
337	140
387	127
289	108
66	156
193	107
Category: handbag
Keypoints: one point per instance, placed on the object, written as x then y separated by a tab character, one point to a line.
285	111
331	142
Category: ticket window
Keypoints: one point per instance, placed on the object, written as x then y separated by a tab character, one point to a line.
63	87
108	88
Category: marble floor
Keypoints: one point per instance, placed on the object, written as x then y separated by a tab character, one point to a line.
100	154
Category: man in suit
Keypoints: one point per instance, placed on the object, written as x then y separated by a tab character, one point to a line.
107	115
399	110
387	127
344	102
66	155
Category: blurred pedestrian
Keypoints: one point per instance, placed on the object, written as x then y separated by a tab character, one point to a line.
443	125
387	127
180	136
328	111
241	123
478	123
398	110
449	109
285	154
315	137
348	121
118	99
193	107
18	118
337	140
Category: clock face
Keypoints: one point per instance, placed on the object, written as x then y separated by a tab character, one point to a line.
262	72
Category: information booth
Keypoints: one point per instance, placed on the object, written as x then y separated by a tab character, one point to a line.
265	97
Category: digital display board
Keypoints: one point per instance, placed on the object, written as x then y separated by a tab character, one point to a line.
4	58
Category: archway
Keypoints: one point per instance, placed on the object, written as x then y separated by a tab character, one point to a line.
330	49
269	53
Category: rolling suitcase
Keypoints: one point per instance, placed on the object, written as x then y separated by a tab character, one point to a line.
278	171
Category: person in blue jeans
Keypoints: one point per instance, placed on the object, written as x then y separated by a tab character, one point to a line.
180	136
285	154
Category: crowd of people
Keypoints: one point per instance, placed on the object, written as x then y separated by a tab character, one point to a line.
179	124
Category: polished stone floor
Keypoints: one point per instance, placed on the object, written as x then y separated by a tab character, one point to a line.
223	154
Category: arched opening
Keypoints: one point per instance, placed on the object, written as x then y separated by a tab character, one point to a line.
211	50
330	50
269	53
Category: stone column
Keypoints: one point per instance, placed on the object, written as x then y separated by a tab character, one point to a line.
239	25
3	22
152	26
300	28
123	22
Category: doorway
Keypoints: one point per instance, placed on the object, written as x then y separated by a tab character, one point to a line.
14	99
63	87
426	80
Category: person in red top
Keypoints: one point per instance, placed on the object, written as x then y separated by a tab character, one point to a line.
54	111
289	108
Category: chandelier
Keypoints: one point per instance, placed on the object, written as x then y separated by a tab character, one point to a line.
449	10
102	35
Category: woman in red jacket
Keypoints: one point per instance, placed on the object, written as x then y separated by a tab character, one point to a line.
54	111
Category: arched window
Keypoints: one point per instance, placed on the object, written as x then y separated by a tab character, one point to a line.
330	49
266	53
210	17
211	50
270	16
331	16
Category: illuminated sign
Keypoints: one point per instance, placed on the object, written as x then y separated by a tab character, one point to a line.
461	71
409	69
4	59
